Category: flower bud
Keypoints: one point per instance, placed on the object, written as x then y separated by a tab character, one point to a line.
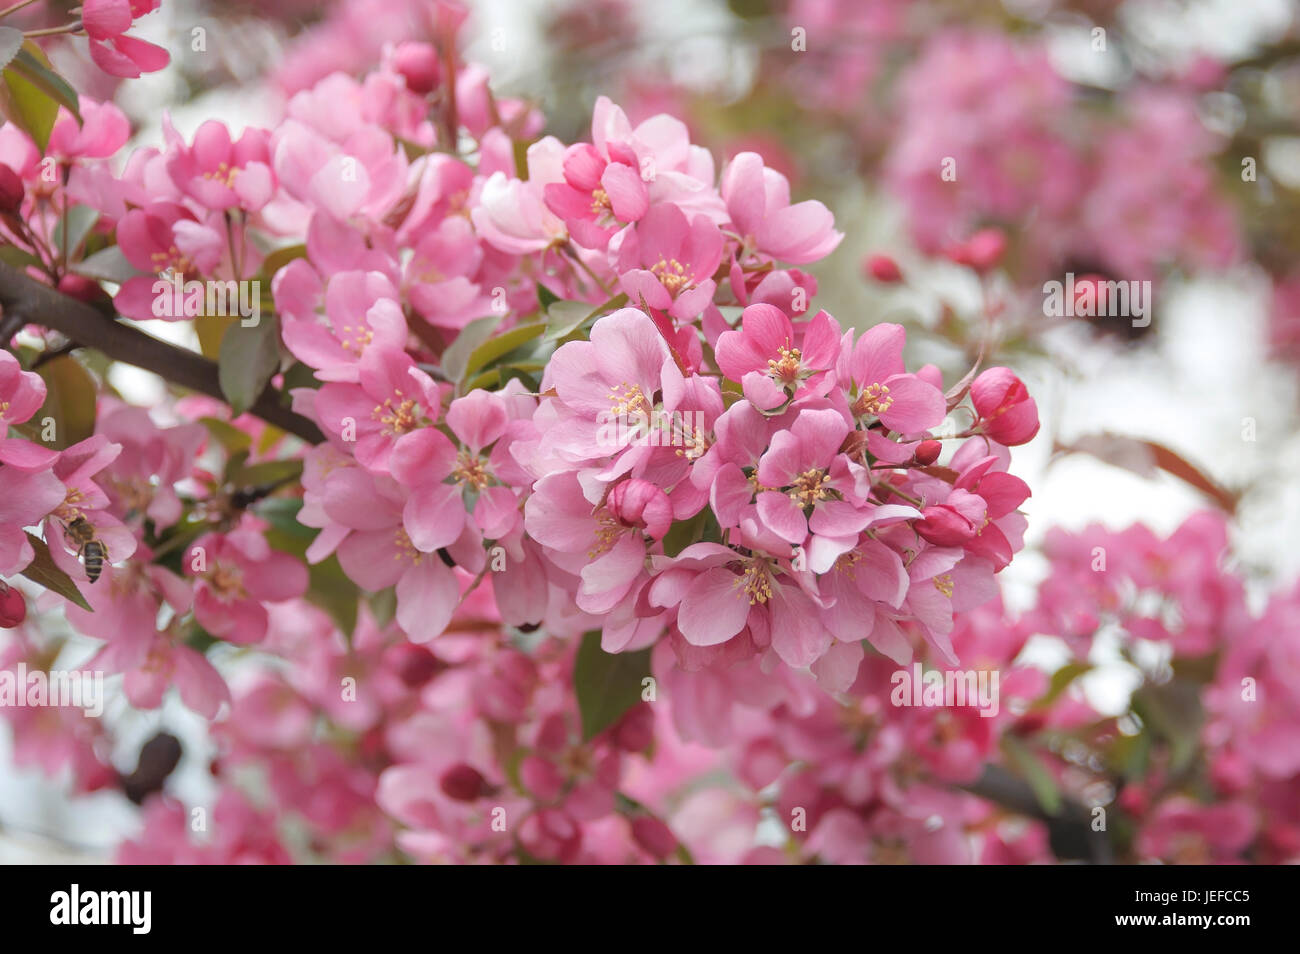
981	251
1007	413
883	269
11	190
416	665
417	63
464	783
639	503
654	837
927	452
13	608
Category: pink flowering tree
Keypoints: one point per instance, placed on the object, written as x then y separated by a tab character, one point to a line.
502	497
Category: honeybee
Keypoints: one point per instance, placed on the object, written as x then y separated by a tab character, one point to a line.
91	549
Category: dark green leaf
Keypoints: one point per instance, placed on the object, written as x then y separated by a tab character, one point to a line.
456	358
249	358
501	345
606	684
70	395
45	571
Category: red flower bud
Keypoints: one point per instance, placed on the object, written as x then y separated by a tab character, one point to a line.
927	452
883	269
981	251
416	665
81	288
464	783
11	190
13	608
654	837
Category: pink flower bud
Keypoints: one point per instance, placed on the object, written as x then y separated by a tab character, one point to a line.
417	63
1007	413
13	608
883	269
981	251
943	526
464	783
416	665
654	837
636	730
639	503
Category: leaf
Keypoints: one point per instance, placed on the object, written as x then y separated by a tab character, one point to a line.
77	222
34	94
11	41
606	684
456	358
502	345
21	258
267	472
249	358
45	571
564	317
545	297
70	395
282	257
227	435
1034	772
1061	680
211	330
109	265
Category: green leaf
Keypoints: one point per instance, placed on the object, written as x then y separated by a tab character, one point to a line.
11	41
34	94
282	257
607	684
502	345
456	358
108	265
1034	772
227	435
268	472
70	395
545	297
13	255
564	317
249	358
1061	680
45	571
77	222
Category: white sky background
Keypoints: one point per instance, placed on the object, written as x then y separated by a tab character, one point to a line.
1189	388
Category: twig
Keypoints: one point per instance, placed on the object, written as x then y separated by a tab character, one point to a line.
29	301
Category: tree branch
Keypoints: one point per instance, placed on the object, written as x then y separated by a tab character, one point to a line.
35	303
1069	830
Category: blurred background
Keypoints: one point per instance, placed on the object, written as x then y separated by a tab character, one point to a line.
1130	141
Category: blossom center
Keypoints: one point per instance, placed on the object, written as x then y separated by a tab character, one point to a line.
171	261
224	173
873	399
227	582
404	549
808	487
628	399
671	274
471	469
785	367
396	417
355	338
944	584
755	582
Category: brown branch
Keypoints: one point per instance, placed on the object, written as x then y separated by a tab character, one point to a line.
1069	830
34	303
